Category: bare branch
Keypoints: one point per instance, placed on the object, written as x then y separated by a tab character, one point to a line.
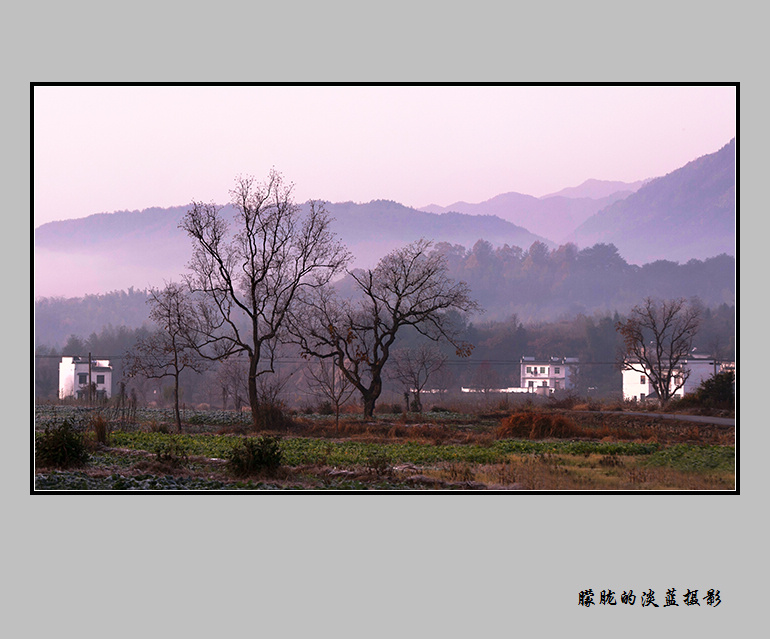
657	338
249	277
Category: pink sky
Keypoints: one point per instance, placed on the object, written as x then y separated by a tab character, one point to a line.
102	149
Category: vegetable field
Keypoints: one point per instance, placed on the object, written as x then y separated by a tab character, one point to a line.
428	452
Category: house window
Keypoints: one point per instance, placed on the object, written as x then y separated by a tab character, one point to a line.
641	397
529	369
82	378
556	384
556	370
545	383
531	383
642	380
100	379
542	369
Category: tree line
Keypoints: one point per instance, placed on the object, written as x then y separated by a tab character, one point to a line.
536	284
539	283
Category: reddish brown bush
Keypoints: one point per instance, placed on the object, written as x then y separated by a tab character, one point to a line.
531	425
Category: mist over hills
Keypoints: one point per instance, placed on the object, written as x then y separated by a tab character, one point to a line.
107	252
687	214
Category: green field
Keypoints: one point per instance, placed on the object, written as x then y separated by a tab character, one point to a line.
445	452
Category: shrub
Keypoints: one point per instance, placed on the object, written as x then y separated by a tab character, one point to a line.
255	455
378	463
718	390
157	427
61	447
171	453
326	408
532	425
101	428
272	416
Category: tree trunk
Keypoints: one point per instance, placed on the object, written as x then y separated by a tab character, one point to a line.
418	401
371	395
176	404
368	405
253	394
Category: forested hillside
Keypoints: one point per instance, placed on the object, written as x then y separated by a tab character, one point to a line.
540	284
56	318
536	284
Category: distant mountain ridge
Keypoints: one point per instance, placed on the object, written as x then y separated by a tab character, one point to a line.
689	213
554	216
597	189
112	251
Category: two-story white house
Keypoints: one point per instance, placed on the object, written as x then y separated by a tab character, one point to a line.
695	369
74	373
546	376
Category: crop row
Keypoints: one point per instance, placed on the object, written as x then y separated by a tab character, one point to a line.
299	451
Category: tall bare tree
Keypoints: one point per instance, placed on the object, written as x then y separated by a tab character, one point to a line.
408	287
171	349
657	339
251	269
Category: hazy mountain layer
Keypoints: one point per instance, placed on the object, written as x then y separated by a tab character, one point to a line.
554	217
115	251
597	189
687	214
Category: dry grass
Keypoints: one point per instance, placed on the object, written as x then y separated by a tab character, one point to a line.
570	473
535	425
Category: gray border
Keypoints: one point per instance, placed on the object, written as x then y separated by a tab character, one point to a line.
354	565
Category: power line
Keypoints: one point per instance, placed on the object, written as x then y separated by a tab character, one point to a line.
301	360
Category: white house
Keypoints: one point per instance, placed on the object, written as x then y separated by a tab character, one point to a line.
545	376
637	386
74	373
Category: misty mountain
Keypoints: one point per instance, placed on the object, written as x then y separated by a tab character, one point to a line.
374	229
597	189
687	214
114	251
554	217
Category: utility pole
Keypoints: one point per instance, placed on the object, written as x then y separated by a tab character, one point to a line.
89	380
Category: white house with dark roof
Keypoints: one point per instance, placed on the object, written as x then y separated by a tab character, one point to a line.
74	375
546	376
696	369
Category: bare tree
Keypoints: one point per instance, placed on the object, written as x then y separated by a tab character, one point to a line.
657	339
232	376
486	379
171	349
250	275
325	380
413	367
443	380
409	287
